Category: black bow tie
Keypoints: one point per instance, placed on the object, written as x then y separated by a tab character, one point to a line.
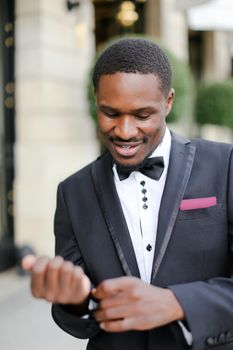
151	167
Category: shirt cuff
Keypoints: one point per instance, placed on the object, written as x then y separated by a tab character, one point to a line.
187	334
91	306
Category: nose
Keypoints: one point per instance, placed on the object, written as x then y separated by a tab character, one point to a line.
126	128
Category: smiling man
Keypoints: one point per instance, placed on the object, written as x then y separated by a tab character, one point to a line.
144	235
132	112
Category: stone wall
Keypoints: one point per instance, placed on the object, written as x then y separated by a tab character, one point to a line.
168	22
217	57
55	135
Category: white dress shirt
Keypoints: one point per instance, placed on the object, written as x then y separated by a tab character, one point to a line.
142	221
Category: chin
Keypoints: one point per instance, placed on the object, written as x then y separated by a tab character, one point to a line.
128	163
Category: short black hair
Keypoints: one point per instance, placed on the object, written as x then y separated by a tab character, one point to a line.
134	55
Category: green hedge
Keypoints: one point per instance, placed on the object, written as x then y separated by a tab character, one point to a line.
214	104
182	82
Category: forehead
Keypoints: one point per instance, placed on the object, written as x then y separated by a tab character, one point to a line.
128	86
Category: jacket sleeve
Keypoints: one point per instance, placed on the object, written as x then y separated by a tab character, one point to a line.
66	246
208	305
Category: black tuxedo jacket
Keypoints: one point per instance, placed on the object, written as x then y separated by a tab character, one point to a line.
194	248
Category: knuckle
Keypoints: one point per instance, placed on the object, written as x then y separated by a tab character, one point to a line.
78	271
55	264
107	314
36	273
122	325
135	294
43	259
62	299
67	266
38	269
36	293
58	259
78	268
40	266
49	296
77	278
104	286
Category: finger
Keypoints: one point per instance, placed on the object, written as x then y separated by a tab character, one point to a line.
114	313
66	276
127	324
38	276
114	300
81	285
86	285
118	325
67	286
113	286
51	280
28	262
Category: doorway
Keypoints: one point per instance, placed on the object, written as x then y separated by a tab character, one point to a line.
7	134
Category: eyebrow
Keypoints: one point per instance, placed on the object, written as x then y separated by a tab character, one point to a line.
107	107
138	110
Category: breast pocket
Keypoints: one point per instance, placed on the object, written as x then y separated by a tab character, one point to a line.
204	213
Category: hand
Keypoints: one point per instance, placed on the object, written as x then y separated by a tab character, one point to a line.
56	280
127	303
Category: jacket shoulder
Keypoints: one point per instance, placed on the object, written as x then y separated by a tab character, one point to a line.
212	144
83	175
212	148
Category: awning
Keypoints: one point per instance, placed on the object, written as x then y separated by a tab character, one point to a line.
213	15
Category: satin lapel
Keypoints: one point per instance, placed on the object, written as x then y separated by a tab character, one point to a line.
180	166
111	208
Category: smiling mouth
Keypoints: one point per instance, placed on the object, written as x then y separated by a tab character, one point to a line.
127	144
127	150
126	147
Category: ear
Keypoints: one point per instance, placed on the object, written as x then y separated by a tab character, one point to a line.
169	100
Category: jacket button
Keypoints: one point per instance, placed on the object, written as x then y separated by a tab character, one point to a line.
228	335
221	338
211	341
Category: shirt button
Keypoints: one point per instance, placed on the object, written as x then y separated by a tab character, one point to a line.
148	247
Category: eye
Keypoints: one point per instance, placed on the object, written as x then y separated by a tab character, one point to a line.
110	114
143	116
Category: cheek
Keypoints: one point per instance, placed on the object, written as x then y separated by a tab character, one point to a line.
104	124
155	130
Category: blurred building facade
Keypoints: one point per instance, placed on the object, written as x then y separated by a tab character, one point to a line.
55	136
54	45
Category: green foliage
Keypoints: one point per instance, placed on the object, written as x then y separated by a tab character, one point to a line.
214	104
182	81
184	86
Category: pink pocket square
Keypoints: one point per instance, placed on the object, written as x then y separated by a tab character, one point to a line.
198	203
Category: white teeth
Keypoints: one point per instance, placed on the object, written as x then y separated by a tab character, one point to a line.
126	147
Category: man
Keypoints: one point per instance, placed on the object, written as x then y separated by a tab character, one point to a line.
146	231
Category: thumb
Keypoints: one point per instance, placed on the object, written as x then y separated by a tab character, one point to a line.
28	262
